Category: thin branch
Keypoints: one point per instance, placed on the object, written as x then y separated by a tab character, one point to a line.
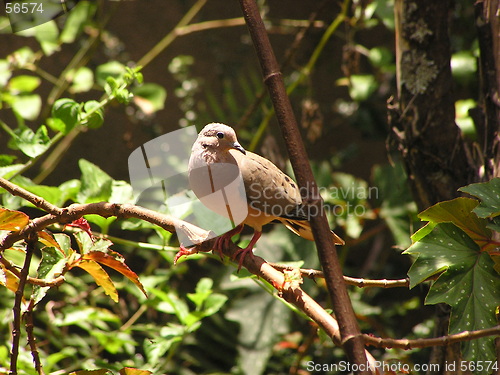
16	310
256	265
351	339
171	36
31	338
30	197
356	281
435	341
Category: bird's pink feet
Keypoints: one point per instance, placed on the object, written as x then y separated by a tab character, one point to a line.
223	241
242	253
185	251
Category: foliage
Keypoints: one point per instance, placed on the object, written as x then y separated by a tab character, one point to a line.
103	294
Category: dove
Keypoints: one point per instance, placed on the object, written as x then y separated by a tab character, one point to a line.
269	194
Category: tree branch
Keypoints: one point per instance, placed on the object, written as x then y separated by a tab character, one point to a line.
351	338
435	341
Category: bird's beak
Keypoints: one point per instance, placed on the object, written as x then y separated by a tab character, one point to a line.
238	147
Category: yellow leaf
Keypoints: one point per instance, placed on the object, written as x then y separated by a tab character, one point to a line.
115	261
12	220
100	276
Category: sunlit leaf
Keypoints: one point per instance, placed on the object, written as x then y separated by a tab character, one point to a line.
468	283
24	83
133	371
12	220
8	279
76	20
116	262
94	114
32	143
459	211
111	69
100	276
66	111
82	79
150	97
48	240
96	184
27	106
489	194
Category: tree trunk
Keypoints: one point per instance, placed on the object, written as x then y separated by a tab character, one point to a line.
422	118
422	121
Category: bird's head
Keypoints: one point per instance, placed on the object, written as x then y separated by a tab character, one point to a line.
219	137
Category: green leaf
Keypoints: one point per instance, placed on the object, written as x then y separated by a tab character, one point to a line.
24	84
67	111
150	97
27	106
51	194
362	86
5	72
445	246
81	80
489	194
96	184
381	57
77	18
468	283
94	116
397	206
463	119
33	144
112	69
47	35
52	265
464	66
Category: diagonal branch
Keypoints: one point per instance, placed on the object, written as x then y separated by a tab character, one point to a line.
351	338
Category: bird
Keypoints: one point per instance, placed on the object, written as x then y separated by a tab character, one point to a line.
217	158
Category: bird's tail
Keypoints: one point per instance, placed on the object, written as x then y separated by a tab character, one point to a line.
303	229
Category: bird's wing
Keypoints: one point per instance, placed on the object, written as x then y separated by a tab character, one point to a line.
268	189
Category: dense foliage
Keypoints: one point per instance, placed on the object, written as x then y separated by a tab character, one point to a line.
101	292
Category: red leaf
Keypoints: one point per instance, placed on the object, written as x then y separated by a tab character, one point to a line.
83	224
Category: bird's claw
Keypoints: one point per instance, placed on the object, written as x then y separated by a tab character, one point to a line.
184	251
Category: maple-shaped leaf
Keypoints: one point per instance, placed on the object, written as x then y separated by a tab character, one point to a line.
100	276
117	262
489	194
459	211
12	220
468	283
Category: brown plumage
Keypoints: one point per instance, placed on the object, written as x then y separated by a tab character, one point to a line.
270	194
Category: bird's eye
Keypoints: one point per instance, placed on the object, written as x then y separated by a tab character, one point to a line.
220	135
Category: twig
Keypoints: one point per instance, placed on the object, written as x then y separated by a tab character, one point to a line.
30	197
28	315
171	36
435	341
359	282
16	310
